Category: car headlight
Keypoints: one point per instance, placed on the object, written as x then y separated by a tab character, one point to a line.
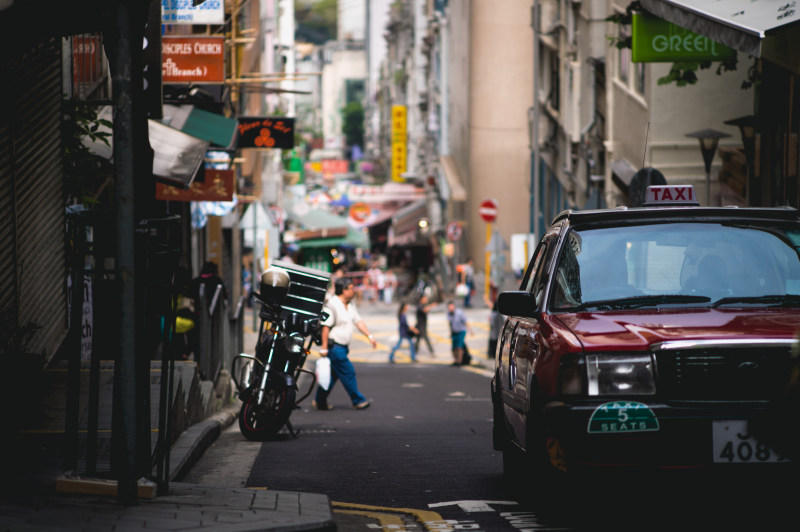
620	374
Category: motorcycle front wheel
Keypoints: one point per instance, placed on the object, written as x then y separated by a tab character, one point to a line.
257	422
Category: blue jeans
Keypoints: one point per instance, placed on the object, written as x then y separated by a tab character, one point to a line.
341	369
410	346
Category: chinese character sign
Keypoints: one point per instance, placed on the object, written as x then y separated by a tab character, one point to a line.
399	139
217	186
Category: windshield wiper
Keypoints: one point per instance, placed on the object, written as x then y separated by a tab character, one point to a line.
642	301
781	300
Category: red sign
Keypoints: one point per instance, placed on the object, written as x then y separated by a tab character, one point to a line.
335	166
193	59
359	212
488	210
217	186
87	63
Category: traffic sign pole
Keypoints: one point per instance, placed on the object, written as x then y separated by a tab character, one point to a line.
488	211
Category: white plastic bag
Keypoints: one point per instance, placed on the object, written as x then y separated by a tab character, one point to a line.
462	290
323	372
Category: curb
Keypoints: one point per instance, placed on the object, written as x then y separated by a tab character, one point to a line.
194	441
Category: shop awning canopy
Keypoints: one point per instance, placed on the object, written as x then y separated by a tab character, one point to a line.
218	130
453	177
355	238
177	156
405	227
761	28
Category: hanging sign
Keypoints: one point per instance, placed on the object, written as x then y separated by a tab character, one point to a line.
655	40
192	59
184	12
217	186
265	132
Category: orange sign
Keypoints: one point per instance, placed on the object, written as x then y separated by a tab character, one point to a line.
193	59
217	186
359	212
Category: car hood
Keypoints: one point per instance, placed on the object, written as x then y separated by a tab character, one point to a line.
641	328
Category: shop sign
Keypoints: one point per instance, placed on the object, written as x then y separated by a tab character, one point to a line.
399	139
655	40
193	59
87	62
359	212
335	166
217	186
185	12
265	132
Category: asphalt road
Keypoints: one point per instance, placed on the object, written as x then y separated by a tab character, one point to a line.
421	458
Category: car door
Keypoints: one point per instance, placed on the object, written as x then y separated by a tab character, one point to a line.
521	342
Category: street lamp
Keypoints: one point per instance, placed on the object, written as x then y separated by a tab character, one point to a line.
747	128
709	138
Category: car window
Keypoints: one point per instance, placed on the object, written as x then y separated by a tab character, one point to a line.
707	260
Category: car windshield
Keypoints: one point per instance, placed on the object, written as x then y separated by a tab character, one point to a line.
677	264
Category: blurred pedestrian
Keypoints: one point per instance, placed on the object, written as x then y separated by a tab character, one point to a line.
458	333
496	321
406	332
423	308
209	278
390	286
468	278
337	332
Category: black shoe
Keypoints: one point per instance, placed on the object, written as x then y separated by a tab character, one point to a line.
323	406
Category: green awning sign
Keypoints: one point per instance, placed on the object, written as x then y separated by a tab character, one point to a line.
622	416
657	41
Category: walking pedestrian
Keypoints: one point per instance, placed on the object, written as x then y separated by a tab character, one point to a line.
468	278
337	332
407	333
423	308
458	332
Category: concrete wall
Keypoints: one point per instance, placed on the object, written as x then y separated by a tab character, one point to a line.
501	92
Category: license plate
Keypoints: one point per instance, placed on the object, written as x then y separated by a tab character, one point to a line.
733	445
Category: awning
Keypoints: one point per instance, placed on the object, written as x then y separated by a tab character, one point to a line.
316	218
354	238
218	130
454	181
177	156
621	173
762	28
405	226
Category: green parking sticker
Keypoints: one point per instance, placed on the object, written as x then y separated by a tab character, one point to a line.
622	416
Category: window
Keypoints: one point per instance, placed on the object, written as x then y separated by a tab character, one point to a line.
697	259
624	56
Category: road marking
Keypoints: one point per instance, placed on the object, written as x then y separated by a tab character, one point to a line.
431	521
472	506
385	521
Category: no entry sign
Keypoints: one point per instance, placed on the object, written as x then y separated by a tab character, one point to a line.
488	210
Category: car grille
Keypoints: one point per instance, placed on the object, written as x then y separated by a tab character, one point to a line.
735	374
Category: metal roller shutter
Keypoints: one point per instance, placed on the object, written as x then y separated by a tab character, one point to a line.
32	195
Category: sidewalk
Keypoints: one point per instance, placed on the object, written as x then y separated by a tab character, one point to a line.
33	503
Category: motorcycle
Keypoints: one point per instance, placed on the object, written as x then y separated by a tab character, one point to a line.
291	299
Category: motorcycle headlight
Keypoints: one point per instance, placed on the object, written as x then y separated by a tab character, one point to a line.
294	343
620	374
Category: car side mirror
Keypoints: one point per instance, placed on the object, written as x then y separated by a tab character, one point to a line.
517	303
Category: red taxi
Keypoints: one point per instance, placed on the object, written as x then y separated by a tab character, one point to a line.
648	336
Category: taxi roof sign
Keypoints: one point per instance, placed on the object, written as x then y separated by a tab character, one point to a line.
663	195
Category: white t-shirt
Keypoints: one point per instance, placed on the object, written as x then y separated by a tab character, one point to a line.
341	319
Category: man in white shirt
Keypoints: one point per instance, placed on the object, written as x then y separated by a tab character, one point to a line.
337	332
